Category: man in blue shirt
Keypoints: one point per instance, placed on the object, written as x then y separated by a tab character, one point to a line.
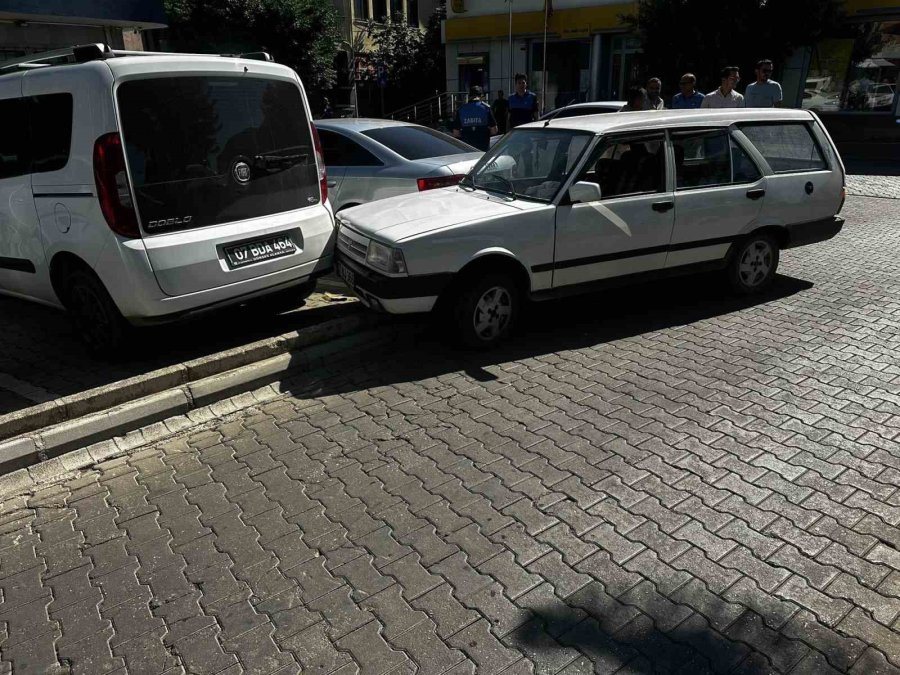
523	105
474	122
689	98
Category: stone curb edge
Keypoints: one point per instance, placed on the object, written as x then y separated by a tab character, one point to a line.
54	441
95	400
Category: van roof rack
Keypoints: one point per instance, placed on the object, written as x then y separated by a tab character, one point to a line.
100	51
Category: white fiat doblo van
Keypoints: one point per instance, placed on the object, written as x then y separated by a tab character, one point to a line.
581	203
138	188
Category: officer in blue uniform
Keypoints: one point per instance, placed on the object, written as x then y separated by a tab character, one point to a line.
474	122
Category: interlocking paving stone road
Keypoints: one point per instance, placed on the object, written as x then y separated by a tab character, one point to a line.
887	187
663	479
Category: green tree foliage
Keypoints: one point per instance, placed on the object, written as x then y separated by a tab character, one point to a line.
413	58
702	36
303	34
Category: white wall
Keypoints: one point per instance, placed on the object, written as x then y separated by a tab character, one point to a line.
483	7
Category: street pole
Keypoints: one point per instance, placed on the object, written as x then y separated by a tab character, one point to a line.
544	65
511	84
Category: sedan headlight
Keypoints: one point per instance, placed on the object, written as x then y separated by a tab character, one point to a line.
385	258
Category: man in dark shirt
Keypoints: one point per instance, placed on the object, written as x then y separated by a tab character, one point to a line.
474	122
500	108
523	105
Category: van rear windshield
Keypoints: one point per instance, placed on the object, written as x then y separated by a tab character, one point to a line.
210	150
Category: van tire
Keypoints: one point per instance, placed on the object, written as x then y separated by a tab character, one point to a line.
485	309
753	265
95	316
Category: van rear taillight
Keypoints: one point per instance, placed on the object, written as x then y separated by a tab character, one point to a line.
438	182
112	186
320	162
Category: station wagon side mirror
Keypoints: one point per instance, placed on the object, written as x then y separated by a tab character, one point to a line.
584	191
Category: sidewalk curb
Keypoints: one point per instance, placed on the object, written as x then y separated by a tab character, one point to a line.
84	403
260	364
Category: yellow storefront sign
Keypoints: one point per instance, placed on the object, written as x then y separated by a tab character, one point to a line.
568	23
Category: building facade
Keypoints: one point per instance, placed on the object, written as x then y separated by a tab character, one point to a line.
591	56
28	27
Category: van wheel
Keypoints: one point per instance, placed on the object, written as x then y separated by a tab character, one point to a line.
97	319
754	264
485	310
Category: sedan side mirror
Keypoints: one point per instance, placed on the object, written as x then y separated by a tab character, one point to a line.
584	191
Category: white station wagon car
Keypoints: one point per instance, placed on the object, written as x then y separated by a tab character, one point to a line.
585	202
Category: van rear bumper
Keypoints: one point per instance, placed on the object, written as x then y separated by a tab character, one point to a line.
801	234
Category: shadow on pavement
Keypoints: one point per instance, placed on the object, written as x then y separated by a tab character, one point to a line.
39	348
572	323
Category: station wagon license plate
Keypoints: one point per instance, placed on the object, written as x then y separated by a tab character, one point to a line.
346	274
251	252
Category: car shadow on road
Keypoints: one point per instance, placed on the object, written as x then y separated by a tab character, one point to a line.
572	323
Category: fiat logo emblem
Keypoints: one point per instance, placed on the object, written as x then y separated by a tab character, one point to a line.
241	172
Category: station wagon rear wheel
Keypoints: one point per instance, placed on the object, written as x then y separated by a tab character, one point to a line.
754	264
486	310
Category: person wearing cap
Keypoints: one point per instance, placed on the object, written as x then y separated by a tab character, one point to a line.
689	98
474	122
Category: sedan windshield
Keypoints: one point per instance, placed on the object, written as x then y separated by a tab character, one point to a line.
530	163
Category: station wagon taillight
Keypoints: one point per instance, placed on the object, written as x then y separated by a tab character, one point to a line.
843	198
112	186
438	182
320	162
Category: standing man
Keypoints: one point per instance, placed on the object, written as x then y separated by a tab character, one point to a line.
474	122
500	108
765	92
635	100
725	96
689	98
523	104
654	100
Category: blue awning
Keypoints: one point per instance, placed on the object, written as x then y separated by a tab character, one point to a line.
125	13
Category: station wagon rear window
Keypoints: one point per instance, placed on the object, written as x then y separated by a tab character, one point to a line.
215	149
788	148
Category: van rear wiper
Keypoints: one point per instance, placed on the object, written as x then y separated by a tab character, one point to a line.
273	162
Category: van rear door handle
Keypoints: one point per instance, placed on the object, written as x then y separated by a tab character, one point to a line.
756	194
662	207
331	183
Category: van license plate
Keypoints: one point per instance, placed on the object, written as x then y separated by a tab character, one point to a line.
346	274
259	251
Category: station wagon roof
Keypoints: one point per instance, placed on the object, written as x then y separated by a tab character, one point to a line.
656	119
359	123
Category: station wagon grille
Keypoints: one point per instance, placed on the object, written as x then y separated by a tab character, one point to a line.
351	246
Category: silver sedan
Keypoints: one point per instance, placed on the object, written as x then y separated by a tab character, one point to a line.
369	159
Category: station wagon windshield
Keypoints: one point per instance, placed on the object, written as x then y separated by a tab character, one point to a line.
530	163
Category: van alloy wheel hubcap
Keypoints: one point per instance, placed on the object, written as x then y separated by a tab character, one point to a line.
492	313
756	263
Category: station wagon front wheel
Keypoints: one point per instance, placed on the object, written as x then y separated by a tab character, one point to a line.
754	264
486	310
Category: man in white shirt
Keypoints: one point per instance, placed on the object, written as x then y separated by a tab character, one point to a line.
654	100
725	96
765	92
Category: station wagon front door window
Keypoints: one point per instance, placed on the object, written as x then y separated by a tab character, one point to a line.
628	230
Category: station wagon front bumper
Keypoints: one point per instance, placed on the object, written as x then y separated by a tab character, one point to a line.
395	295
801	234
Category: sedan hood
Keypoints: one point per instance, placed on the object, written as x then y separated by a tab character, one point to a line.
398	218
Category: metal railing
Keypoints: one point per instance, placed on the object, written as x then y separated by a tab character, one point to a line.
435	111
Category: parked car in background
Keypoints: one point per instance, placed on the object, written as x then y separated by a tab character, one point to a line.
581	109
586	203
577	110
370	159
144	188
881	97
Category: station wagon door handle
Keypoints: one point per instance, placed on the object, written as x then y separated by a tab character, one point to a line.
756	194
662	207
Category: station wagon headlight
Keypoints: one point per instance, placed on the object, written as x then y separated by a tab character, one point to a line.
385	258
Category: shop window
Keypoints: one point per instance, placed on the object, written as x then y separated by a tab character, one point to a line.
839	80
